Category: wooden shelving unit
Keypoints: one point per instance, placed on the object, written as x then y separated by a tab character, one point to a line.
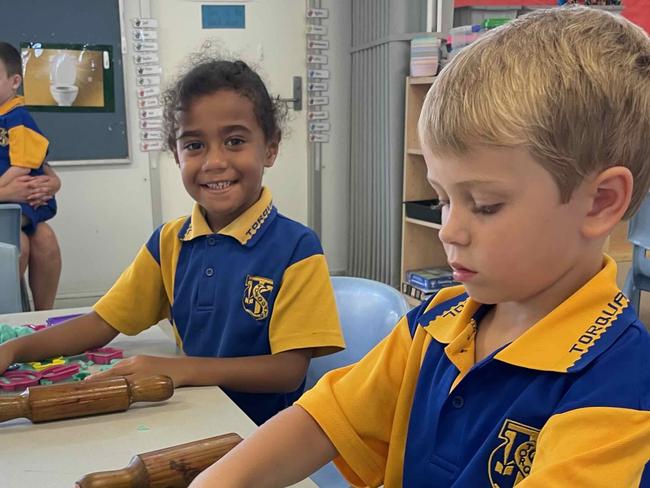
421	247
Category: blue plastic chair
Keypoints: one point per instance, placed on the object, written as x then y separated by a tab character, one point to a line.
368	311
638	278
11	296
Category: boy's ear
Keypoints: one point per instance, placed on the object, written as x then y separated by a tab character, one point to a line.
16	80
610	194
272	148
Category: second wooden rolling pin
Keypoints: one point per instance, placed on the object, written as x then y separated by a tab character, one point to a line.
69	400
172	467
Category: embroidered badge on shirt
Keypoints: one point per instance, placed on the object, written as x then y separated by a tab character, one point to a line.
4	137
512	460
256	293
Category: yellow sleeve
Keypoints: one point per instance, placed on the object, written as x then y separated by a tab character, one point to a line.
358	407
595	447
27	148
304	313
137	300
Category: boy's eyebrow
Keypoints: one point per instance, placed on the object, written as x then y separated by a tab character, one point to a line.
471	184
189	133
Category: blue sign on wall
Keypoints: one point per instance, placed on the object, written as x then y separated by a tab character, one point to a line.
223	16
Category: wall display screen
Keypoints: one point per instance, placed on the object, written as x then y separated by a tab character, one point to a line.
68	77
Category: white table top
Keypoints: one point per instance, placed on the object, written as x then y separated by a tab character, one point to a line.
56	454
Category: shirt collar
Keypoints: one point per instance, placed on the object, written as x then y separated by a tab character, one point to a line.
567	339
247	228
11	104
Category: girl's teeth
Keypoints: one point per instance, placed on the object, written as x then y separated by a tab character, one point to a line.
219	186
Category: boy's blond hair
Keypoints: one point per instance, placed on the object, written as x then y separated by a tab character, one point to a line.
571	85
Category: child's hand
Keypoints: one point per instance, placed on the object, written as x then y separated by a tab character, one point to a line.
20	189
47	184
142	366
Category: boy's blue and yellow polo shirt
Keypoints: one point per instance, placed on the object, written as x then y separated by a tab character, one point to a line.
564	405
22	144
259	286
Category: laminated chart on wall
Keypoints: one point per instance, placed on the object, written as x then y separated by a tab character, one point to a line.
317	75
144	35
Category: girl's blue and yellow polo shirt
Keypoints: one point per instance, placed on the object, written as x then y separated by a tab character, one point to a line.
259	286
564	405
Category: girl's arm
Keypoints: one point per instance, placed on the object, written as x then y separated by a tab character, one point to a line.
273	373
72	337
283	451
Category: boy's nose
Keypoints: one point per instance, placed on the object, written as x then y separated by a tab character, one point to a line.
454	229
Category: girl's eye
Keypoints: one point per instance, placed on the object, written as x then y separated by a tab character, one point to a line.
487	209
234	141
192	146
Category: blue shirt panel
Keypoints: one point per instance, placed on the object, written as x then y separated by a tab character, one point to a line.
209	287
451	436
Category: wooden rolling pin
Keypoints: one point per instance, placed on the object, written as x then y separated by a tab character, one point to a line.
69	400
172	467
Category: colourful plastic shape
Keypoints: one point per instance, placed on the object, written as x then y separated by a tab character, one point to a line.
61	318
41	365
17	380
104	355
60	372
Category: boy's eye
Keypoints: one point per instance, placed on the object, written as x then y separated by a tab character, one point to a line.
234	141
487	209
193	146
440	205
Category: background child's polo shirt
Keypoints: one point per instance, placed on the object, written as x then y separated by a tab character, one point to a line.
260	286
23	145
566	404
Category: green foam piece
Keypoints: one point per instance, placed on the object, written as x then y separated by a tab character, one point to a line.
142	428
46	382
81	375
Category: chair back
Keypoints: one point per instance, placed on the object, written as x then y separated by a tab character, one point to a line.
10	297
10	223
368	311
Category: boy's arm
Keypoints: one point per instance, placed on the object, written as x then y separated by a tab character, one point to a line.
282	372
285	450
72	337
599	447
12	173
46	186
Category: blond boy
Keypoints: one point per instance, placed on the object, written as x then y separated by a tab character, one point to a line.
534	373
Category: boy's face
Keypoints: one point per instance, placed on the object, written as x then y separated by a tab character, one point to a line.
222	153
506	234
8	84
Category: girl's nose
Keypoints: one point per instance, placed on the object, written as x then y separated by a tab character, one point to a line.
215	159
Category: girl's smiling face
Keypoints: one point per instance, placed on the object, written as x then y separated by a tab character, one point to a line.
222	152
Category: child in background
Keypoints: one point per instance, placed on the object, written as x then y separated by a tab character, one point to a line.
534	373
247	290
26	178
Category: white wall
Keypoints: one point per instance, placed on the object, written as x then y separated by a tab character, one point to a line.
336	153
104	215
274	39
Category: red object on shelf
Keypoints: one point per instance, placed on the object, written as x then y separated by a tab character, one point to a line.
638	11
501	3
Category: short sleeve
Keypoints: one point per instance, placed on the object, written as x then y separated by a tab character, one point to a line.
137	300
27	146
357	407
304	312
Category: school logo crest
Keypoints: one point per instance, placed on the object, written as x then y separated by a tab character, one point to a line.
512	460
4	137
256	294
